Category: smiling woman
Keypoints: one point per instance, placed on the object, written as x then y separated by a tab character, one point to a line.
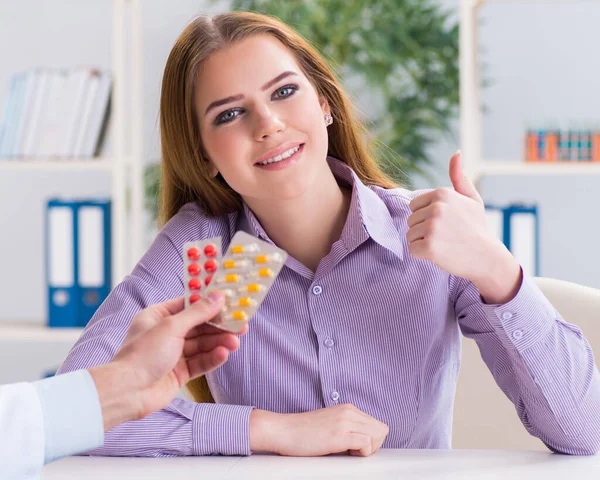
261	106
273	84
357	344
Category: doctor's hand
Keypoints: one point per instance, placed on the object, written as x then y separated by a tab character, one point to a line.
166	347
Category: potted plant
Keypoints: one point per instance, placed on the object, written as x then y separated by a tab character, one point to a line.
398	59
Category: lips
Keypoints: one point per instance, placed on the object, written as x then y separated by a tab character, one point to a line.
284	163
277	151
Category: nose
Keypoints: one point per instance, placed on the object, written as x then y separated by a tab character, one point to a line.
268	124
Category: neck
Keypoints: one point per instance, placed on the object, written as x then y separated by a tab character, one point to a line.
307	226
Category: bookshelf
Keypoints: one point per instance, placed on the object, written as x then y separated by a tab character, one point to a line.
512	167
71	164
33	332
123	165
474	164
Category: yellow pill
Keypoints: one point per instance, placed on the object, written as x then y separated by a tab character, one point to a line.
254	287
273	257
235	264
237	249
265	272
246	302
251	288
239	315
232	278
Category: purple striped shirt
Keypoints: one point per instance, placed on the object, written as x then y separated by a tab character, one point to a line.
373	326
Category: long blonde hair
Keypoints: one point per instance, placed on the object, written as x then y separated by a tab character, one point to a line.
185	174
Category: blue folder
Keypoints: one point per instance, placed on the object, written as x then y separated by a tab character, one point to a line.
78	259
517	226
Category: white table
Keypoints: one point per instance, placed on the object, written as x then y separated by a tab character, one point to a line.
385	464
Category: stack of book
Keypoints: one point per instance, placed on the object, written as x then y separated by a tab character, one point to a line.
52	113
562	145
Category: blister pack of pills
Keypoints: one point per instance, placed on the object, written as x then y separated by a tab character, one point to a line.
201	260
244	275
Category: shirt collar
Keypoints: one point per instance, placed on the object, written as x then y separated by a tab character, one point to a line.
367	214
367	211
254	226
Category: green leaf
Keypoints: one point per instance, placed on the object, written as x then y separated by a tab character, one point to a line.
405	52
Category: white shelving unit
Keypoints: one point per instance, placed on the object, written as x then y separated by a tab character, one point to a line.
34	333
124	165
470	108
72	164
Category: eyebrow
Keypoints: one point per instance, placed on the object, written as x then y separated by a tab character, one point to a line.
235	98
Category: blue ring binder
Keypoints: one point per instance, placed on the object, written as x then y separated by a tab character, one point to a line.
527	254
78	259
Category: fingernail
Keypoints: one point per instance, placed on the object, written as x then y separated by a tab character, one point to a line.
457	152
215	296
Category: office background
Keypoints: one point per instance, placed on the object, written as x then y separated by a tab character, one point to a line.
541	61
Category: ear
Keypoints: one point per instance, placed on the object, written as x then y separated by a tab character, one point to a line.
212	169
324	106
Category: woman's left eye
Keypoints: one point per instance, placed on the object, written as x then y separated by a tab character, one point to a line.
286	91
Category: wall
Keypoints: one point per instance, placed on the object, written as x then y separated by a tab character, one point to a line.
542	60
543	64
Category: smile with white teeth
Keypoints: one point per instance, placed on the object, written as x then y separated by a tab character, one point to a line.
283	156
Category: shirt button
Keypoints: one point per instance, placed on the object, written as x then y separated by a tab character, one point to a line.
329	342
518	334
317	290
335	396
507	315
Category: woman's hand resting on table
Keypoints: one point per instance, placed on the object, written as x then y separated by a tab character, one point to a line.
342	428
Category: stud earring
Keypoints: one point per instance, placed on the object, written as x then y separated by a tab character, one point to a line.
328	119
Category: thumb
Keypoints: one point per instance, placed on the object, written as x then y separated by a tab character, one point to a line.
459	180
196	314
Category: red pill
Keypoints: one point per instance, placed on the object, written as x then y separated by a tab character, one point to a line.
211	266
210	250
194	297
193	253
194	284
194	269
207	280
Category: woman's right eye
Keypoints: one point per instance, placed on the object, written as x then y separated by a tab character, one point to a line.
226	116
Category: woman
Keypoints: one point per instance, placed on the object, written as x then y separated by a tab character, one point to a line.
357	345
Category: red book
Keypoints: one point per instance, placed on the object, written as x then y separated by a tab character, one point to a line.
596	147
531	147
551	154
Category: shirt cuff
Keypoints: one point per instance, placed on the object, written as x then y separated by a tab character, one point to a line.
21	431
222	429
72	414
525	319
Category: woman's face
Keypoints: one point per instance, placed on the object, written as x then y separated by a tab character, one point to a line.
255	105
